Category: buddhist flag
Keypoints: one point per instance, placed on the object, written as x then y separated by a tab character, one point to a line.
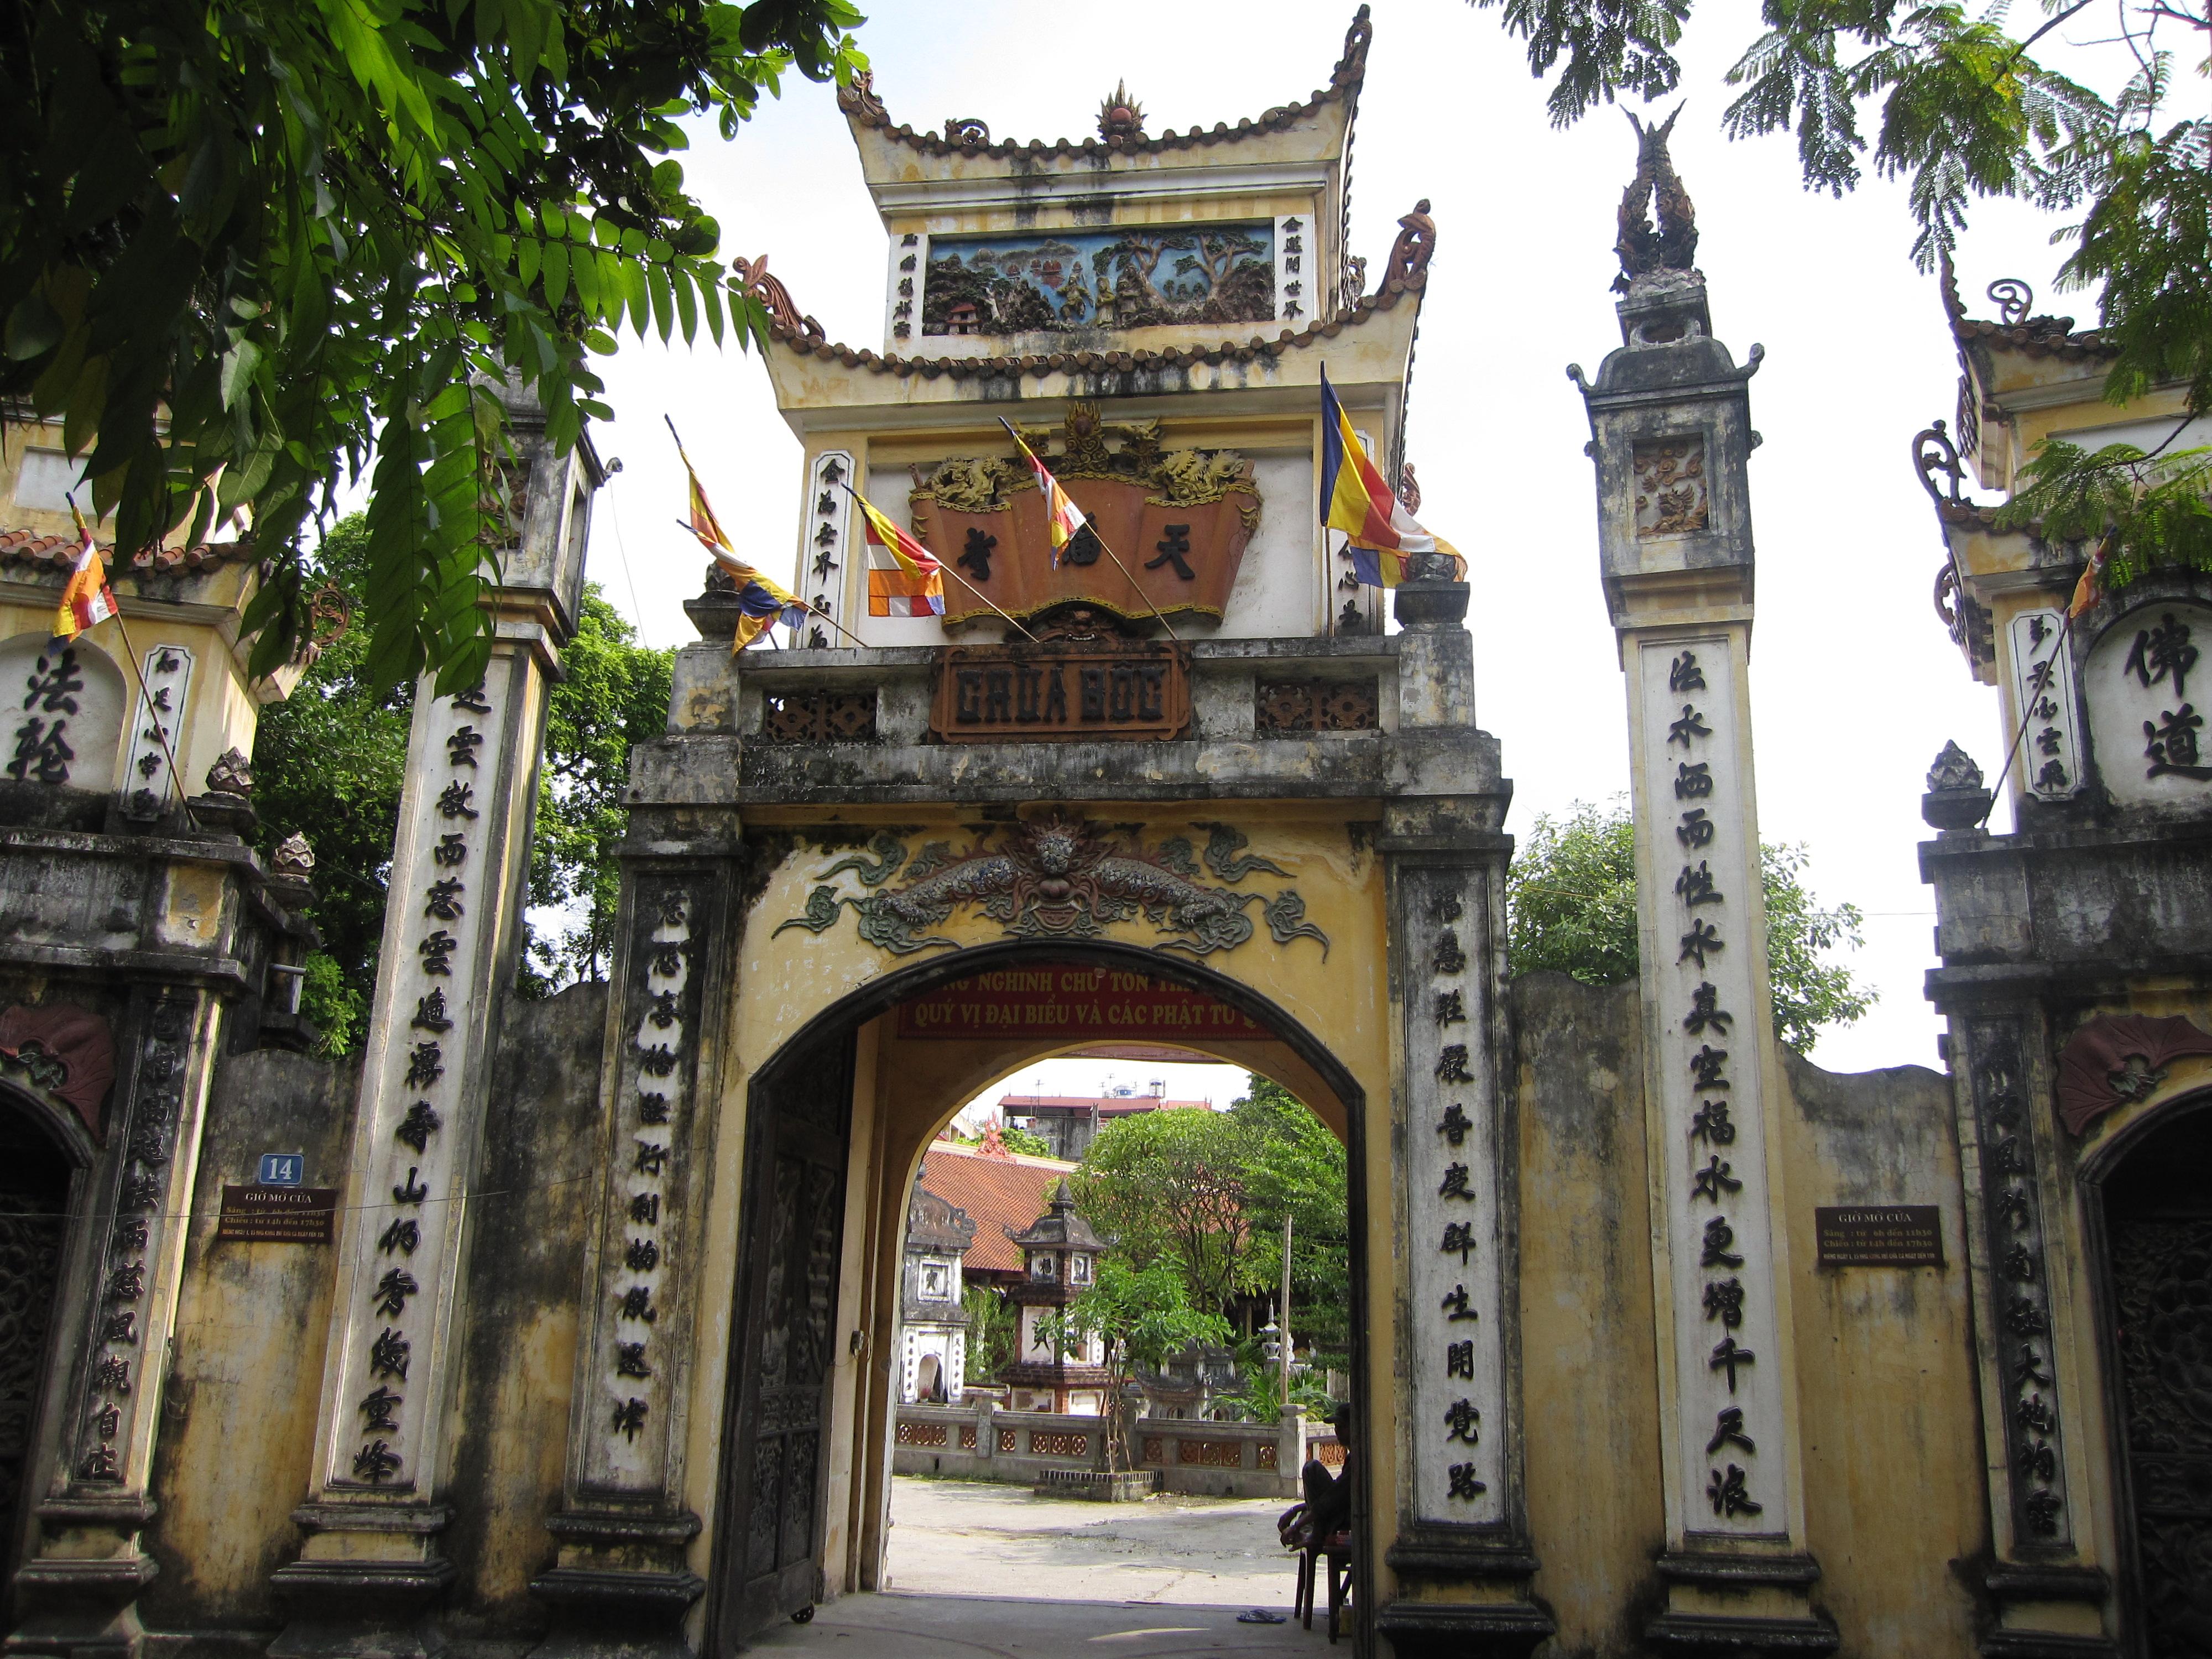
762	602
85	597
1064	517
2091	587
1356	498
916	588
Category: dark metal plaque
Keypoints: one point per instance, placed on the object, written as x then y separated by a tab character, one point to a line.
277	1215
1879	1236
1047	693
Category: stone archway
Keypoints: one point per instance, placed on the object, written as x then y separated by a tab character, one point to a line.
39	1169
777	1489
2152	1237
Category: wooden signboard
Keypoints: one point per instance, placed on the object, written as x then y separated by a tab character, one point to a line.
1037	693
1879	1236
1054	1000
277	1215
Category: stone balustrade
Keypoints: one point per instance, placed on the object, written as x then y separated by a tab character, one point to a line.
985	1442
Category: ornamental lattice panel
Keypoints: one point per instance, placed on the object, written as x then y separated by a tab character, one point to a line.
1281	707
819	715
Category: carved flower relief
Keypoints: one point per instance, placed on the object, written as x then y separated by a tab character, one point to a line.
1670	487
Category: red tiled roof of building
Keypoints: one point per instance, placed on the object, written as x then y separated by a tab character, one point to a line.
59	553
1001	1196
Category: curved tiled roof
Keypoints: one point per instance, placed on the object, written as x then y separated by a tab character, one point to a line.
37	549
1051	362
1000	1196
860	102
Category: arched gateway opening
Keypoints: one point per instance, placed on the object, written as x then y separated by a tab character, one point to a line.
2153	1218
837	1122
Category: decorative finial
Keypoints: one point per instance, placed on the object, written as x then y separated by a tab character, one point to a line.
231	774
1416	245
1954	768
1120	118
293	857
1673	245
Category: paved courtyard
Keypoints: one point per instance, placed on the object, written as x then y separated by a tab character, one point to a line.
979	1569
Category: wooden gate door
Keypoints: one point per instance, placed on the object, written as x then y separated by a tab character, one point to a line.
34	1203
782	1351
2159	1216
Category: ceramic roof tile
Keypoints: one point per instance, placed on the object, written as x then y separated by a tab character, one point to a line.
1002	1197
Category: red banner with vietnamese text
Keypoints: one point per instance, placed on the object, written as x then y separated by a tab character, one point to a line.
1065	1000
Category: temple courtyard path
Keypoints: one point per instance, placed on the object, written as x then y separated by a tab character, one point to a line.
980	1569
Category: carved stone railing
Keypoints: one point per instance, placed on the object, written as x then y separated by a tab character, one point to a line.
984	1442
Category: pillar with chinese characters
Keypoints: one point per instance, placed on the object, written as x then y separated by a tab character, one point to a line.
1458	1545
1670	417
371	1569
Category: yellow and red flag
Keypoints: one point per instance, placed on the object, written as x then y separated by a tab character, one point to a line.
1064	517
918	584
1356	498
761	602
85	597
2091	587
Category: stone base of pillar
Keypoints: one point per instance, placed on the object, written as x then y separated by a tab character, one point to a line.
2048	1613
1465	1630
621	1589
376	1596
1499	1620
1744	1607
82	1607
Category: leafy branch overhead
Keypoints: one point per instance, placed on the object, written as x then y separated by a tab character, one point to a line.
1963	105
246	245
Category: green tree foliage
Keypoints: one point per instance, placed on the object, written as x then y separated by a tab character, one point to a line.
1570	907
1963	108
1168	1187
330	760
992	1330
1027	1142
246	245
615	696
1144	1314
1298	1168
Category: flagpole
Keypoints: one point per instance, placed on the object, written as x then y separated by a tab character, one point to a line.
945	569
734	565
130	654
1100	540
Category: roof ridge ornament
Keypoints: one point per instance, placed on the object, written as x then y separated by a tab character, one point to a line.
1120	118
1673	246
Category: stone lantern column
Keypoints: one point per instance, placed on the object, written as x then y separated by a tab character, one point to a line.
1670	417
373	1569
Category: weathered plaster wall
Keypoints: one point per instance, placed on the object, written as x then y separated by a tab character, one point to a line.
238	1427
1894	1490
1589	1397
1894	1495
238	1423
525	1266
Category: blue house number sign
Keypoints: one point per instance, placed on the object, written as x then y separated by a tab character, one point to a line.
282	1168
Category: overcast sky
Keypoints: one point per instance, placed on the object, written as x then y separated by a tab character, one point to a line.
1855	684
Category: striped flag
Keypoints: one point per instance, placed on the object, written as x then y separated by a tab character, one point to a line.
1062	514
762	602
1356	498
85	597
922	589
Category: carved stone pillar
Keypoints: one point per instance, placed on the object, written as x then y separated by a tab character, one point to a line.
371	1569
77	1595
623	1530
1460	1537
1670	416
2048	1602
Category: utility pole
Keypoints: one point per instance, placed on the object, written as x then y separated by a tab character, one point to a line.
1285	1319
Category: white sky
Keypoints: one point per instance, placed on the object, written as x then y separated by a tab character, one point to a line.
1855	685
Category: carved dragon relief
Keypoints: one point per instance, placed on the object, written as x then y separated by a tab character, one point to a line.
1058	877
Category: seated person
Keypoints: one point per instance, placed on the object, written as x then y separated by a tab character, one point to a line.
1328	1497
